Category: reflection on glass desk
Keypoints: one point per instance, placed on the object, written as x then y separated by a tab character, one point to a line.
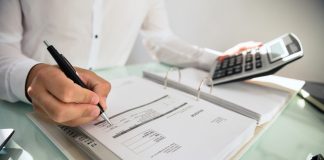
298	131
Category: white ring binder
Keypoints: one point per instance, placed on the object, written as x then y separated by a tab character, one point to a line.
201	83
167	74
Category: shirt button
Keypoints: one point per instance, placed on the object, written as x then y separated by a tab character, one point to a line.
96	36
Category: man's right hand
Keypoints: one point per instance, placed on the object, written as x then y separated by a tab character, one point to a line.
59	98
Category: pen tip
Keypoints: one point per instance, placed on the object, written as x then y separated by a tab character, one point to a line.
46	43
105	117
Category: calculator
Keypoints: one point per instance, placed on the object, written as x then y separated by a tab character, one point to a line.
261	61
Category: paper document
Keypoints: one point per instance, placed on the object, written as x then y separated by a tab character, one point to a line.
150	122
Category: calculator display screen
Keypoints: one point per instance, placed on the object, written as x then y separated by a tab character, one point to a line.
277	51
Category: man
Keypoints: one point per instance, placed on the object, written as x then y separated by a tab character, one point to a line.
91	34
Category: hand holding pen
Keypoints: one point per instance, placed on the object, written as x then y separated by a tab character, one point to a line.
56	96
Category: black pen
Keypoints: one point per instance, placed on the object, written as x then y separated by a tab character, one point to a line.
71	73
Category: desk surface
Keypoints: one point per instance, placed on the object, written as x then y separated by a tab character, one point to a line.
297	132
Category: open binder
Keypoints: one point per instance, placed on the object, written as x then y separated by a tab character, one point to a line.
172	119
260	99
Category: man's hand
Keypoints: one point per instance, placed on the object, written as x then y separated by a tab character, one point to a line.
59	98
239	48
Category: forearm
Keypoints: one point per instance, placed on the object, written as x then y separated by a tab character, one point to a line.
14	65
168	48
172	50
14	69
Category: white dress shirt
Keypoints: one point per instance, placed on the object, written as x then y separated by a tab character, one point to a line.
90	33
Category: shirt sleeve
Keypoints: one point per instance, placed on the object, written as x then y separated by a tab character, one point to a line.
159	40
14	65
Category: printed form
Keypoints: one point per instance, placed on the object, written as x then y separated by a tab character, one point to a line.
150	122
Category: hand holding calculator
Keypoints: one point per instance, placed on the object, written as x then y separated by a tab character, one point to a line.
256	62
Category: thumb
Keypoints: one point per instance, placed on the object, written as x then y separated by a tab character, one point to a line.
98	85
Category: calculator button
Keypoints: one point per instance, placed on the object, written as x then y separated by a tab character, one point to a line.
218	66
219	74
248	57
231	61
229	71
257	56
248	66
239	59
287	40
225	64
216	76
238	69
292	48
258	64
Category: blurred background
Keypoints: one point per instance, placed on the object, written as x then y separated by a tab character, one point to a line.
221	24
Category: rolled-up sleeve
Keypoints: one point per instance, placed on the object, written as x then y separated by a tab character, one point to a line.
14	65
166	47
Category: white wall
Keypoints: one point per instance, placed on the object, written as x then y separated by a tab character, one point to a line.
220	24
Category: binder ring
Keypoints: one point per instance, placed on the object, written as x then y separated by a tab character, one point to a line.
167	74
203	81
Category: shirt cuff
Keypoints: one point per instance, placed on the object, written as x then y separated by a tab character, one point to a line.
18	76
207	59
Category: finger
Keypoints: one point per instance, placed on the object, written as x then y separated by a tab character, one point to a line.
79	121
249	45
242	47
222	57
72	123
43	114
66	90
100	86
239	48
58	111
103	103
94	82
102	90
39	110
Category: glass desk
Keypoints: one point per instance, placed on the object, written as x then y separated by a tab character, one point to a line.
298	131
